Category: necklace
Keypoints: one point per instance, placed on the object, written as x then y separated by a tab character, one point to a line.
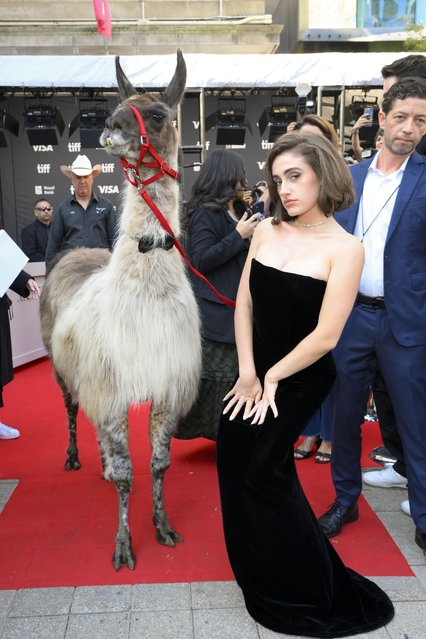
309	226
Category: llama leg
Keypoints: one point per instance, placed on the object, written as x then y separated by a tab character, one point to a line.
72	460
121	475
106	454
161	428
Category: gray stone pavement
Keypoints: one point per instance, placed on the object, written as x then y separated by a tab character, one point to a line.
208	610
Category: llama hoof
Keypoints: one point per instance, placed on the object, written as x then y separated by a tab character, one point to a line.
72	463
169	537
123	556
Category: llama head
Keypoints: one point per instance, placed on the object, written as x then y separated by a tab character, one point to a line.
121	135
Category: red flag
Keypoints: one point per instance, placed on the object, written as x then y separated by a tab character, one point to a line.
103	18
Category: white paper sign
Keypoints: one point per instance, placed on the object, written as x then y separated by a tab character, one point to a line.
12	261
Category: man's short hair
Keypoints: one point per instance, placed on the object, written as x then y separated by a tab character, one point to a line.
41	199
411	65
405	88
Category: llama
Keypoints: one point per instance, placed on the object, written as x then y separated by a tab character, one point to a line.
123	328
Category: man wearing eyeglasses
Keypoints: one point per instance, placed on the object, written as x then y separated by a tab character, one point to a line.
34	237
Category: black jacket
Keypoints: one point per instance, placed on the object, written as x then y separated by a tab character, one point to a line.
219	252
34	239
6	362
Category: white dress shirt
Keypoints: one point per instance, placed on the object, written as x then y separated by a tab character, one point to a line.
372	224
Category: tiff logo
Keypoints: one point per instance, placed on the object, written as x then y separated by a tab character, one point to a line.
74	147
43	168
108	167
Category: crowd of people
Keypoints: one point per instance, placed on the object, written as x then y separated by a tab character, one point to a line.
327	265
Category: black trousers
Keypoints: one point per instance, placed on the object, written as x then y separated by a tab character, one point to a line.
387	422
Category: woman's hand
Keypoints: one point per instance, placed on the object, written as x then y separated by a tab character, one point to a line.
246	392
258	412
33	288
246	225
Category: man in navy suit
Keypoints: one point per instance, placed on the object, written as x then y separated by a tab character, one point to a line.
35	236
387	327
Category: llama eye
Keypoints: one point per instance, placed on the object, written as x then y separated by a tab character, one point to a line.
158	117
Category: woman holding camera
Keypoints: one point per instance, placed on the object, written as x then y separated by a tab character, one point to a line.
219	225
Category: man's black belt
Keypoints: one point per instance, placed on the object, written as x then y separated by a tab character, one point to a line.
375	302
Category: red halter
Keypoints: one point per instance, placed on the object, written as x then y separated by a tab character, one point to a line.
131	173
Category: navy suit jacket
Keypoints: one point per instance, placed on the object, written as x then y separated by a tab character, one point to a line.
405	250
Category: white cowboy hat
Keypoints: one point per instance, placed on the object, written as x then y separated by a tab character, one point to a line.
81	166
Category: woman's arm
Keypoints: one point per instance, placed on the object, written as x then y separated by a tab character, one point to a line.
342	286
356	144
213	240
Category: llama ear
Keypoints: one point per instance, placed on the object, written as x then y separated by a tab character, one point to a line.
174	92
125	87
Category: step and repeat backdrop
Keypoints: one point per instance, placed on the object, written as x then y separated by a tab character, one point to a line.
30	169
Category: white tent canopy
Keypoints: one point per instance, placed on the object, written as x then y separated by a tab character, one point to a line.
208	71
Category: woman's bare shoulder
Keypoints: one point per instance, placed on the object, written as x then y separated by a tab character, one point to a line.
348	245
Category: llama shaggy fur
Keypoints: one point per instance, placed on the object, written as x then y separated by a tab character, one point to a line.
123	328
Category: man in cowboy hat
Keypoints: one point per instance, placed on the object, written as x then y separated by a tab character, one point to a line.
83	219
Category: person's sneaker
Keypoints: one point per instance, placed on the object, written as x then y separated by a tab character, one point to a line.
6	432
405	507
386	478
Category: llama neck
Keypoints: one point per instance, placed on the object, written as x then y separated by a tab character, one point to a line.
138	219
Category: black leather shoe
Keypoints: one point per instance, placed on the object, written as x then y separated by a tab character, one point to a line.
420	539
332	522
382	455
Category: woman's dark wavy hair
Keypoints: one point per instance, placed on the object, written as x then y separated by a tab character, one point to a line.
336	191
216	182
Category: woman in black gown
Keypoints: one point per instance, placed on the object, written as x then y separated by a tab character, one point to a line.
296	292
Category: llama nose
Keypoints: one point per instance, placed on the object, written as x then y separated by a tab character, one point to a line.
108	142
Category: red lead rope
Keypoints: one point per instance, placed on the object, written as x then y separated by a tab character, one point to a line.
131	173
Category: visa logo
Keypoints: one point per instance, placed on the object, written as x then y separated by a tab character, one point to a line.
108	189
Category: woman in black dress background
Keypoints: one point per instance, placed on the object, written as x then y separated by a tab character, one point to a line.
297	289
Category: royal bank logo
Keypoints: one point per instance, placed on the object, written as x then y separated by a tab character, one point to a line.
44	189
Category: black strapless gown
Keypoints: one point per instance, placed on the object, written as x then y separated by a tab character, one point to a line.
292	579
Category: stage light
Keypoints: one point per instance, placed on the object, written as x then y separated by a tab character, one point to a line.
277	116
42	122
7	123
230	120
91	120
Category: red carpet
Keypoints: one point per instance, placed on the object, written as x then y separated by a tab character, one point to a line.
58	527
